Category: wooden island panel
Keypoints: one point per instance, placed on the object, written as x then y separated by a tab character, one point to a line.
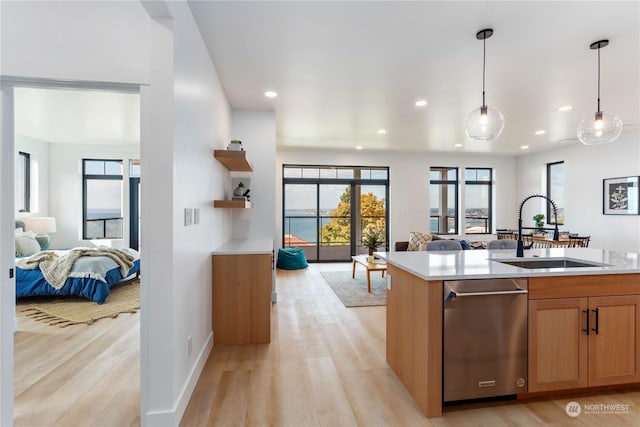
414	337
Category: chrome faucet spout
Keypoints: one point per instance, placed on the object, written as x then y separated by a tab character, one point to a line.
556	233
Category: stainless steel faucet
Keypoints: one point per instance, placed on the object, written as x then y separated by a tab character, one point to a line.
556	233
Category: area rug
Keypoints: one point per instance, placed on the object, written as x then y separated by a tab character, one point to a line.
62	312
353	292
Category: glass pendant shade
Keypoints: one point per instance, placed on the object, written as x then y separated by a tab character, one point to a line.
600	128
485	123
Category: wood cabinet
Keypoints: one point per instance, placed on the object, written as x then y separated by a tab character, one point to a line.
586	339
242	298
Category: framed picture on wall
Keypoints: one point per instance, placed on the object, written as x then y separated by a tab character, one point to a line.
620	196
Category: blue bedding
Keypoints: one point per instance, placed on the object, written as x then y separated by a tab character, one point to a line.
32	283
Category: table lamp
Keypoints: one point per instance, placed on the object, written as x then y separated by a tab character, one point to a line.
42	227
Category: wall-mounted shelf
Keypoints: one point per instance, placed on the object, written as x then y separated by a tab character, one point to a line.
240	204
235	161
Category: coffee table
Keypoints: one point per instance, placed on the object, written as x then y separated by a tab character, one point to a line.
370	266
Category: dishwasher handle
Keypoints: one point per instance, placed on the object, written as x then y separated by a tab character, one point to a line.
454	294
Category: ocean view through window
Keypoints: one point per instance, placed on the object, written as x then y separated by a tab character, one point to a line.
102	199
327	209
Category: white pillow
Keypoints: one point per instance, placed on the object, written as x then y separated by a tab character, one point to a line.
26	244
415	239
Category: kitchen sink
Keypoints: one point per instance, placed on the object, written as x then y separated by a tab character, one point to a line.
533	263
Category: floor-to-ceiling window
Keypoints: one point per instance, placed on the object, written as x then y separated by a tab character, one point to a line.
478	192
327	208
443	191
102	199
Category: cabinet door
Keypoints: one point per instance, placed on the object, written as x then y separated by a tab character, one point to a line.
241	299
557	344
614	348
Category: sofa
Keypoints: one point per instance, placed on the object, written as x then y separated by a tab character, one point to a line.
416	237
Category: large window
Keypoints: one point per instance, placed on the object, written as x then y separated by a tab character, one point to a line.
328	209
555	190
443	191
102	199
477	200
23	182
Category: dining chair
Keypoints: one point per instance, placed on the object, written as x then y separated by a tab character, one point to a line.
579	241
443	245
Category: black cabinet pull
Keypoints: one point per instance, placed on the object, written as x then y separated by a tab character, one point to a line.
597	312
586	313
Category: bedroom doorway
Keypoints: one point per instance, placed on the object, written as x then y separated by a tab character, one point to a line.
53	168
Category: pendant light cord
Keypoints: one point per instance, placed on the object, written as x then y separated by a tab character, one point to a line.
484	59
598	79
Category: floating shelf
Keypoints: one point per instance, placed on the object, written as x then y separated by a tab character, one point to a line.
240	204
235	161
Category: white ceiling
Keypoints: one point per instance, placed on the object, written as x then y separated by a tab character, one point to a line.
74	116
345	69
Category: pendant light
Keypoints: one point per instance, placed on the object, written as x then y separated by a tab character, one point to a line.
484	123
603	127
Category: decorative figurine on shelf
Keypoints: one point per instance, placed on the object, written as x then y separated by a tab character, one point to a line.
240	190
235	145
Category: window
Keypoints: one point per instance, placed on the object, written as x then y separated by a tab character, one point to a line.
443	191
23	182
102	199
477	200
555	190
328	209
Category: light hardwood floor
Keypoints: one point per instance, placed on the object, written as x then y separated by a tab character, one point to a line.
325	366
81	375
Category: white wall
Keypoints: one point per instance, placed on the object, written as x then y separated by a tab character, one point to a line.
7	255
585	168
93	40
185	117
39	159
409	184
257	131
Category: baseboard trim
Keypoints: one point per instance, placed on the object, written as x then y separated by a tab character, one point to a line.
174	416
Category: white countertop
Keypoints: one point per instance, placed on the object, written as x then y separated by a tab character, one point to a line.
482	264
245	247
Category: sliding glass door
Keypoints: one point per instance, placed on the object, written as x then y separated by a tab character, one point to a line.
327	209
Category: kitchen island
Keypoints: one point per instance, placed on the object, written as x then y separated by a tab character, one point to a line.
583	322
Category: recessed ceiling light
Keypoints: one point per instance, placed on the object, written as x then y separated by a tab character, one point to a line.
382	131
457	145
541	132
359	147
270	94
565	108
524	147
421	103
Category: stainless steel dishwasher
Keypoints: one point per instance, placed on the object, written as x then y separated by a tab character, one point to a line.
485	338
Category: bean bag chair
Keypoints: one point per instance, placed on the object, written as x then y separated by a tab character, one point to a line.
291	259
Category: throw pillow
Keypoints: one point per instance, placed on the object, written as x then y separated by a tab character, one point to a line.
26	244
416	238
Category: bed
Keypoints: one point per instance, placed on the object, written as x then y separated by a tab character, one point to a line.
91	277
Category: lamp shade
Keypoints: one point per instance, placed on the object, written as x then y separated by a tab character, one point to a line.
485	123
600	128
42	225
